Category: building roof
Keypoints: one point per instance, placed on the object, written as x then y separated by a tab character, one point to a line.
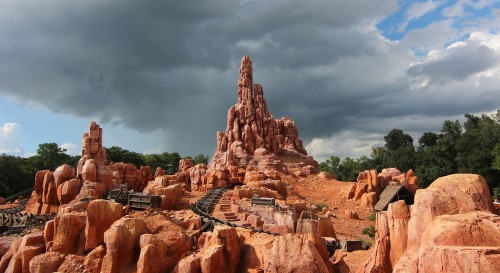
391	194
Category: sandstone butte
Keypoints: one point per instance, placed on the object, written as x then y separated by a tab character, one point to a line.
451	227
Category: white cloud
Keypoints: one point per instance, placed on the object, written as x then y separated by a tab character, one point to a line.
11	139
347	143
418	10
71	149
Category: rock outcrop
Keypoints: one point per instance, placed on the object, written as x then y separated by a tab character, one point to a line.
450	228
101	214
370	184
251	130
122	244
91	166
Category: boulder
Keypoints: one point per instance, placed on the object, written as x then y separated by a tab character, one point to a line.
222	251
68	230
62	174
9	253
67	191
190	264
101	214
49	195
29	246
325	175
46	262
93	260
282	255
122	243
369	199
325	227
450	228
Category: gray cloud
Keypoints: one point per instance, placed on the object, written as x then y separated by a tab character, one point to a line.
460	63
173	66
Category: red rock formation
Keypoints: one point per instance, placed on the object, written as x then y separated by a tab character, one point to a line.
68	233
93	261
67	191
91	165
101	214
185	164
122	244
196	175
450	228
370	184
17	259
159	172
46	262
251	129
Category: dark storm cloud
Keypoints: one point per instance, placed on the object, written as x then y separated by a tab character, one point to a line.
460	63
173	65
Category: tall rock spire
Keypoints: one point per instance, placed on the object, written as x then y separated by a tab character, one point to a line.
245	81
251	127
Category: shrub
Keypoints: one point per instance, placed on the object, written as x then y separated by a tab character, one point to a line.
319	205
373	216
370	231
366	242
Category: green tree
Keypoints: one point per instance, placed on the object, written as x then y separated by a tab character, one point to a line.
15	174
200	158
50	156
476	145
379	158
331	165
400	150
348	169
436	154
496	155
118	154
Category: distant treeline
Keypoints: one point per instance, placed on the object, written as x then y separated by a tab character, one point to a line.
17	173
471	148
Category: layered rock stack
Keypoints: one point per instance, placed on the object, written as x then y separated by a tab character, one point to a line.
91	166
251	129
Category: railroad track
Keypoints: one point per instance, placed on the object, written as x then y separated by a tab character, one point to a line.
26	194
205	206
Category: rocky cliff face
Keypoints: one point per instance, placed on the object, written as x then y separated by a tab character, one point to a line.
251	129
450	228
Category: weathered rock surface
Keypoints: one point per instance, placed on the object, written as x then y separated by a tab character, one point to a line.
122	243
101	214
17	259
67	191
68	233
251	129
450	229
46	262
93	260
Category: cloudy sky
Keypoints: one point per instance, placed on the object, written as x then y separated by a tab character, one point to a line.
159	76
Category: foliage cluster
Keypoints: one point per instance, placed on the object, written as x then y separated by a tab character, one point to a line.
473	147
17	173
319	204
369	230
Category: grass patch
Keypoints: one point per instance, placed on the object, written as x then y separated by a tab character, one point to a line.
373	216
319	204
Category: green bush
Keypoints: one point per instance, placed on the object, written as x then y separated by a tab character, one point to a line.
370	231
373	216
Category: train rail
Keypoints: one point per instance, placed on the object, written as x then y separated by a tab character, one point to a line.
205	206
